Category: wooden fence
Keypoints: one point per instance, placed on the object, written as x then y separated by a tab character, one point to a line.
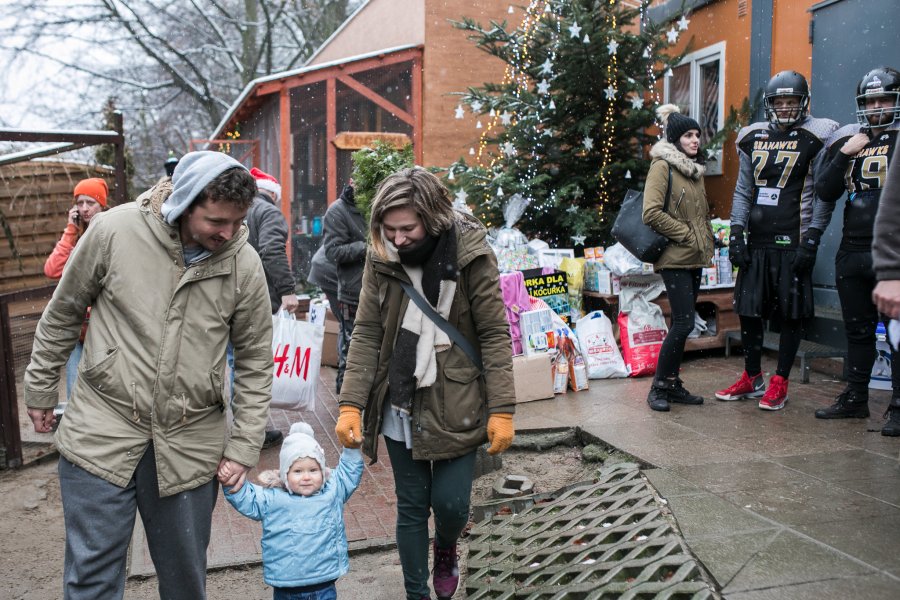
34	199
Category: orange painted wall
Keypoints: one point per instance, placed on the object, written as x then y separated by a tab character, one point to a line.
791	49
714	23
453	64
721	21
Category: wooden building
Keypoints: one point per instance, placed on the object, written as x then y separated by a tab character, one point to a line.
392	68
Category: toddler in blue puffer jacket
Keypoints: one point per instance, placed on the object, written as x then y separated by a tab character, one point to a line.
301	507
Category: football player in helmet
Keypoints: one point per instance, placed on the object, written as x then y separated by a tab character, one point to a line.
786	99
856	161
770	213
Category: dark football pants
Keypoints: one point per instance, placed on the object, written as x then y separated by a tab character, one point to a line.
99	518
752	334
855	280
423	486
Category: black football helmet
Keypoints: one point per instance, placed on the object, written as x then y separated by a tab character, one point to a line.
786	83
878	83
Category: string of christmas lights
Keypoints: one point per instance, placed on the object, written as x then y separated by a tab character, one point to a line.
609	126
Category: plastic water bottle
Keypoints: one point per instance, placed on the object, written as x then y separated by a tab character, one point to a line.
881	370
723	266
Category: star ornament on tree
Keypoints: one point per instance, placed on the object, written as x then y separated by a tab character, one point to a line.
509	149
637	102
672	36
543	87
575	30
578	240
461	196
588	143
613	46
683	23
505	118
477	106
610	92
459	112
547	67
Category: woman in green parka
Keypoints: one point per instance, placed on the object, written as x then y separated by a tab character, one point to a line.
418	389
685	222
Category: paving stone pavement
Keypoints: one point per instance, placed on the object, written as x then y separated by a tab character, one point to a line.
774	504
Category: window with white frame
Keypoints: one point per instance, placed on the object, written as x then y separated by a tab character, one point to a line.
696	86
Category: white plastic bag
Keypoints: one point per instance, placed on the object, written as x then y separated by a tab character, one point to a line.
297	351
598	345
622	262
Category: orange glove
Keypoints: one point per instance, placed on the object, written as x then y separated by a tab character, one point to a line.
349	427
500	432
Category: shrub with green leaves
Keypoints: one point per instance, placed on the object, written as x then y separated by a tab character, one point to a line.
371	166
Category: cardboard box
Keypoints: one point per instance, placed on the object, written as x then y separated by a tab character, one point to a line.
329	345
533	377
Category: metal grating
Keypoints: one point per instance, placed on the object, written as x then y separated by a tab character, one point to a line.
596	540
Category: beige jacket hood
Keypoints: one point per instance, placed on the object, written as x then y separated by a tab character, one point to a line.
153	364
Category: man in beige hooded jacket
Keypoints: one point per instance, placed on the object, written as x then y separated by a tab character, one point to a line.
170	279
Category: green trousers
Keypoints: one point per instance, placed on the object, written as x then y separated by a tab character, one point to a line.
423	487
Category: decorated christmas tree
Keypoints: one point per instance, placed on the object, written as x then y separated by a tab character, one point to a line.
568	124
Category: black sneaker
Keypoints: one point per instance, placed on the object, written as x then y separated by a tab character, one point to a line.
679	395
273	438
850	404
892	414
658	398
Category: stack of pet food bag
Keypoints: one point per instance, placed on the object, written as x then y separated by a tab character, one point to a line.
556	348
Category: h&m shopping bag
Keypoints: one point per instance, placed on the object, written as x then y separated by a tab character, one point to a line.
297	352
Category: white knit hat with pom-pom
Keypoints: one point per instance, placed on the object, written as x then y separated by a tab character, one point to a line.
300	443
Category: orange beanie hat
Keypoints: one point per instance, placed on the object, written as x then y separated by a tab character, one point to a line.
94	187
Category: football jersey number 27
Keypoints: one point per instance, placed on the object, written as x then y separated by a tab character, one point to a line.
761	157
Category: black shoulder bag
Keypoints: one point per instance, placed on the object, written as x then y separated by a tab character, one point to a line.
630	230
451	331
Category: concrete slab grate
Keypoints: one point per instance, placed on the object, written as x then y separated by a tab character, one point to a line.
607	538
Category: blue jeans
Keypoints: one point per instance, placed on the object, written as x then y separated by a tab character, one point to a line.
328	593
72	369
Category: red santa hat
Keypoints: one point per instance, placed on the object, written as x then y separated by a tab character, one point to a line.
264	181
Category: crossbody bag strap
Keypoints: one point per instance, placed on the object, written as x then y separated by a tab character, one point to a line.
451	331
